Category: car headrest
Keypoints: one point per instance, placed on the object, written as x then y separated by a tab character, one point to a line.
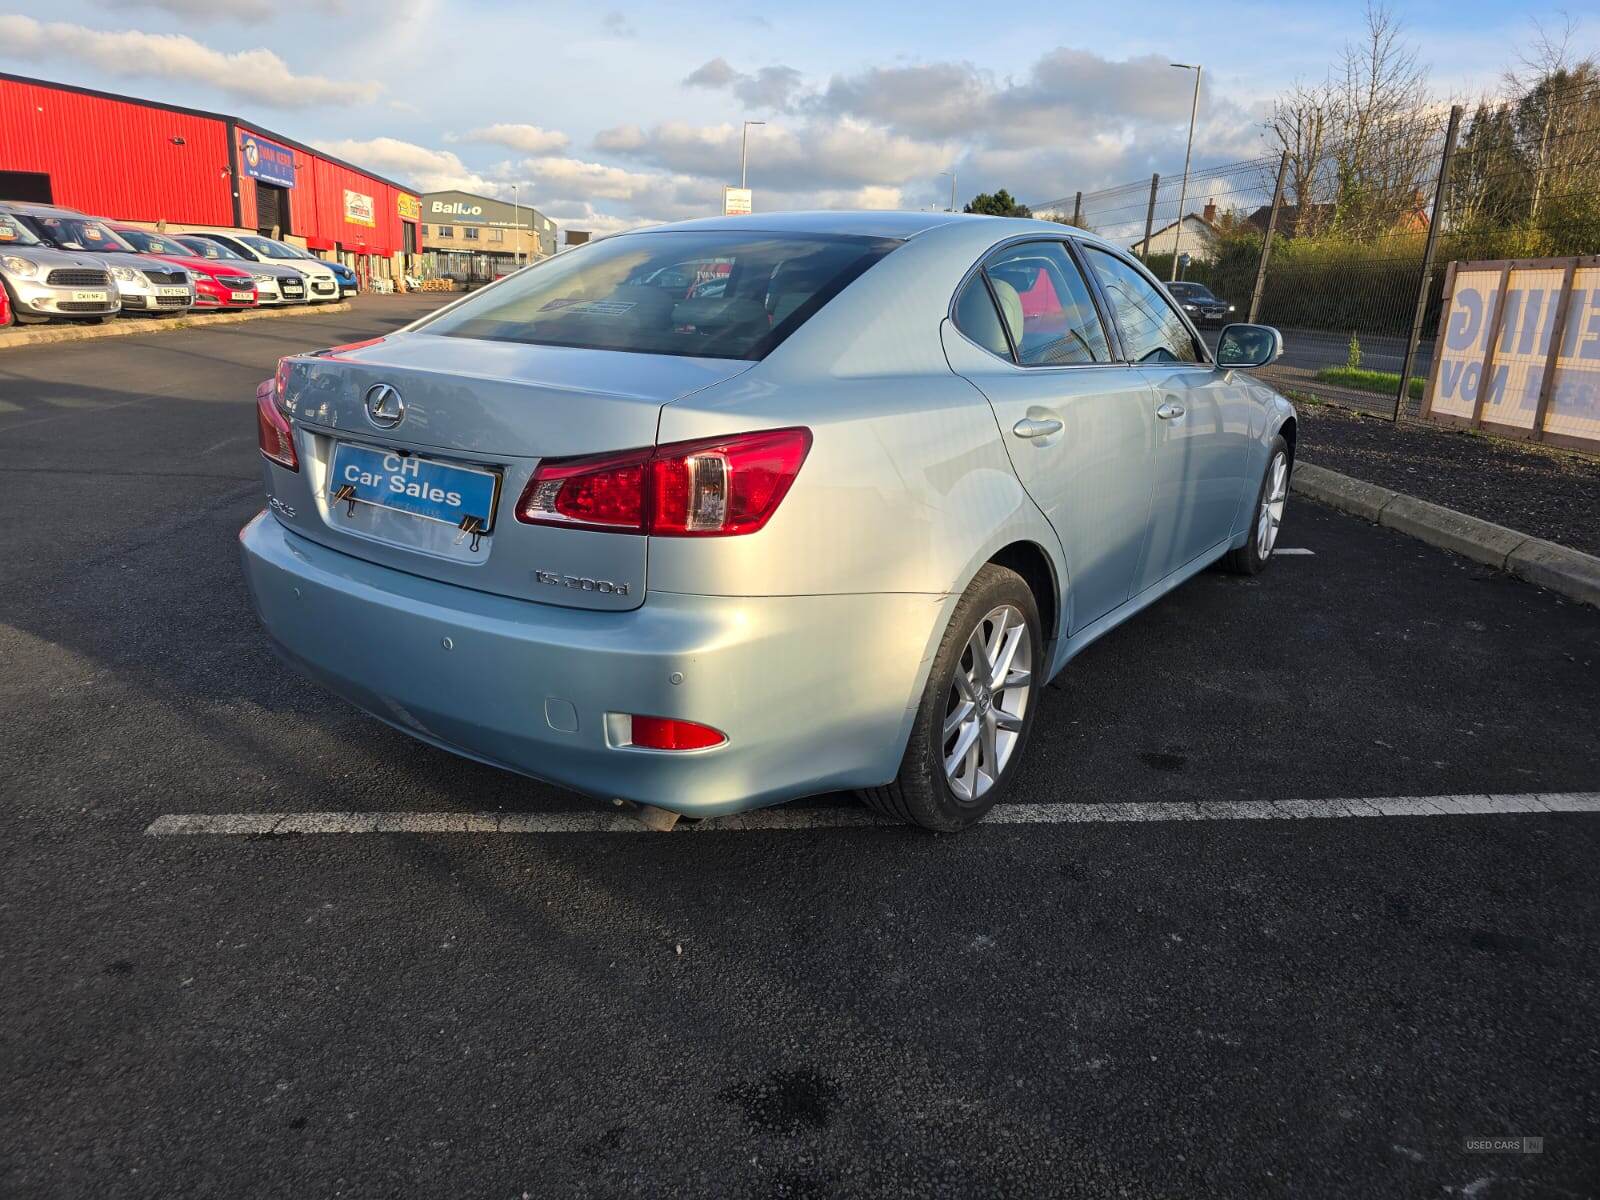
1010	307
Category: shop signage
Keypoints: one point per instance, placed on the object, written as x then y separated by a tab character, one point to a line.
358	209
266	161
410	207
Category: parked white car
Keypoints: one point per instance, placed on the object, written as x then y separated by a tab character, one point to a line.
322	285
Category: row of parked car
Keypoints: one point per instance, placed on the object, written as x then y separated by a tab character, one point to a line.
61	264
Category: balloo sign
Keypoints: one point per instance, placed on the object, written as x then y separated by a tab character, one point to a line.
1518	351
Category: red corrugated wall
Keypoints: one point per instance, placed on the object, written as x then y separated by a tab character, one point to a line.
115	159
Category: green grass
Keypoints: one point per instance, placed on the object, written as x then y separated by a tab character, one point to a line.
1382	383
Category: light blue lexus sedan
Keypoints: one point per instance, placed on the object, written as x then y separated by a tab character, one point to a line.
717	514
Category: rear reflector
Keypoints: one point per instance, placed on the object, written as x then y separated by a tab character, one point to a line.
667	733
716	487
273	429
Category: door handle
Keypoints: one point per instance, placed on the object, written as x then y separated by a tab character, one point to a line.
1030	428
1170	411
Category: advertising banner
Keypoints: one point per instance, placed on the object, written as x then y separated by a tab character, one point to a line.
266	161
359	209
1518	350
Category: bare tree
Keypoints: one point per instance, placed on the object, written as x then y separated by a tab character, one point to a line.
1384	140
1362	143
1557	112
1300	125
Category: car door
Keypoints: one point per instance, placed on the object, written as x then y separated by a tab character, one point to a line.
1203	418
1079	426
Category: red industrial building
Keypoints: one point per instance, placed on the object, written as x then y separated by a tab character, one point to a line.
148	163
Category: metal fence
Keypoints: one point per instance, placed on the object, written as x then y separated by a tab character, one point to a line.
1342	242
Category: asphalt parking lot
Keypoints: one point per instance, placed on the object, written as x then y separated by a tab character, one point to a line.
1087	1008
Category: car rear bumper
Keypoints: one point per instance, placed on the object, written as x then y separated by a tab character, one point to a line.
814	693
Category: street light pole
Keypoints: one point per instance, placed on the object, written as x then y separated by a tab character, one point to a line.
744	149
1183	187
952	173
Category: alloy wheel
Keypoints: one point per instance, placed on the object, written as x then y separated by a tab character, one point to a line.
1273	498
988	699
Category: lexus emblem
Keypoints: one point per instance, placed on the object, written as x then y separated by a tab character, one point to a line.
385	407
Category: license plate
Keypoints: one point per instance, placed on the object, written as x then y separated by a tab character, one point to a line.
421	487
172	291
90	296
292	288
243	295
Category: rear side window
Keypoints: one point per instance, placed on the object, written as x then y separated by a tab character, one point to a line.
1053	318
975	317
714	294
1043	303
1152	331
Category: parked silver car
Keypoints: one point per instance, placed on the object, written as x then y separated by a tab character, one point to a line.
142	286
832	527
42	282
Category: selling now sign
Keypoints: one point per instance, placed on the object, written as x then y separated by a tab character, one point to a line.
1519	350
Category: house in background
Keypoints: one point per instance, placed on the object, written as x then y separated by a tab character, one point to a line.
1198	240
1310	220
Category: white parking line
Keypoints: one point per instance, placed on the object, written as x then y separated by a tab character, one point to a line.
790	817
1293	550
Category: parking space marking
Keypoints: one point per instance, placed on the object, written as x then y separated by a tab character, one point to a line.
790	817
1292	550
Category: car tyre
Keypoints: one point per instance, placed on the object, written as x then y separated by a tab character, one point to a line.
1267	515
975	714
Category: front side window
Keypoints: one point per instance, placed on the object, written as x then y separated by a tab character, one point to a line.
1152	331
646	293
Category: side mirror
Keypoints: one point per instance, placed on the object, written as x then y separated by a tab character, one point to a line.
1245	346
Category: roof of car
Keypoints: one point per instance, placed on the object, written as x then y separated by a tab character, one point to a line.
868	223
29	209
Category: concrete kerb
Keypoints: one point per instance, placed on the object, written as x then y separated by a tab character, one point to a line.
1562	569
43	335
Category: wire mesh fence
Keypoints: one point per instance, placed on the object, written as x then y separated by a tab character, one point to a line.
1348	271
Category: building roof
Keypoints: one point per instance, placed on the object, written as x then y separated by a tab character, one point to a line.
254	126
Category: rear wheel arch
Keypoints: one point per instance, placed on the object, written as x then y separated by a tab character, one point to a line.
1029	560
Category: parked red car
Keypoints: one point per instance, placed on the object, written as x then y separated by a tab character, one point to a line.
217	283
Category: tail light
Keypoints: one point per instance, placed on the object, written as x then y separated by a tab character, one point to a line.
716	487
667	733
272	427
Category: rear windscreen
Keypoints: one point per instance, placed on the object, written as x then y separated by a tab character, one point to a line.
714	294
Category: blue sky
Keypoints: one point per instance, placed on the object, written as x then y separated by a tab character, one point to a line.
612	114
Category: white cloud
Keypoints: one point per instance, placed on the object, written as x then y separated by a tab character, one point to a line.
528	139
256	75
770	87
813	155
248	11
421	168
